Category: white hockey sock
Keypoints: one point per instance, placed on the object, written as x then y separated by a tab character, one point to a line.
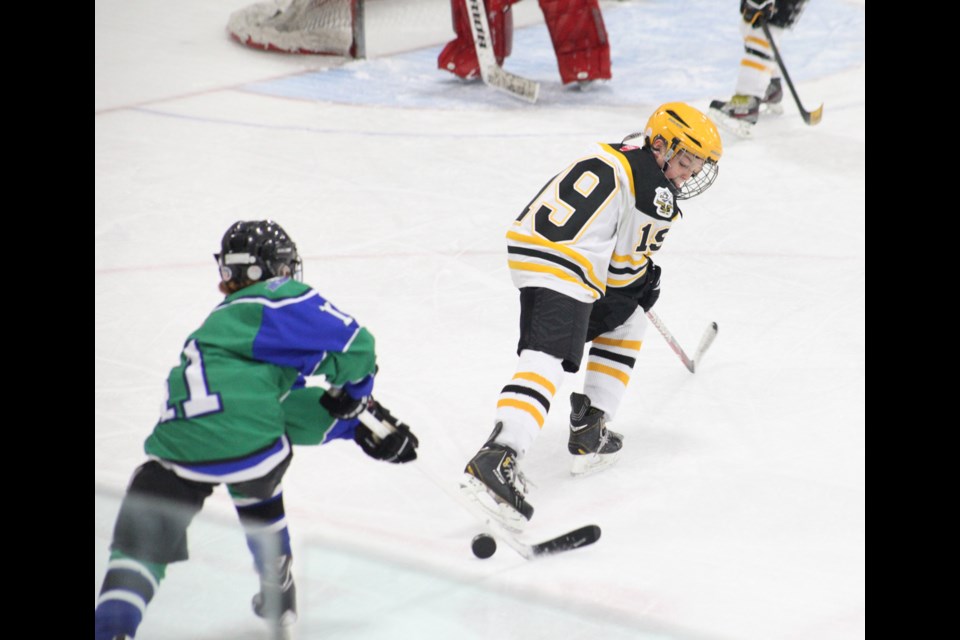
610	363
757	63
525	402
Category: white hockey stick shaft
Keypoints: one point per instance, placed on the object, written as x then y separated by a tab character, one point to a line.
690	363
492	73
380	428
810	117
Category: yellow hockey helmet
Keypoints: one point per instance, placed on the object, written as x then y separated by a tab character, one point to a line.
684	128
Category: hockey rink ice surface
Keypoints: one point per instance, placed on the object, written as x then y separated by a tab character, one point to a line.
737	509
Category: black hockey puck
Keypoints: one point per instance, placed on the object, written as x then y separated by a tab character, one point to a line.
484	546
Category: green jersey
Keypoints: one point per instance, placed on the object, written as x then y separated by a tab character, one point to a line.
237	400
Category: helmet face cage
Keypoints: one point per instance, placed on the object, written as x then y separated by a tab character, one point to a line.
698	182
257	250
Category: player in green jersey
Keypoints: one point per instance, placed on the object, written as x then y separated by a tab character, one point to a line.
236	404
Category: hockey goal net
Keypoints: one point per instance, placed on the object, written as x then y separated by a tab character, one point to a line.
332	27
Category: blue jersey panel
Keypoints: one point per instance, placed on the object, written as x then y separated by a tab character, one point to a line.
298	332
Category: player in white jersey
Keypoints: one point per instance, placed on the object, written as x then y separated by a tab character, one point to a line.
580	253
759	87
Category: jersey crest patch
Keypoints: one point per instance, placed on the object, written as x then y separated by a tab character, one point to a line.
663	201
275	283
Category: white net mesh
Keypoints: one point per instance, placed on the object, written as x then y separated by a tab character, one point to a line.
301	26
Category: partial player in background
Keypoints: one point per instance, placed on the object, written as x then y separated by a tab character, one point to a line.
576	29
236	404
758	83
581	255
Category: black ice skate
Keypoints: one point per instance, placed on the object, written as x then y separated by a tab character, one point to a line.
772	98
593	446
738	114
494	481
277	600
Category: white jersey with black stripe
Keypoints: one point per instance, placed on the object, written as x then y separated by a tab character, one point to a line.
594	226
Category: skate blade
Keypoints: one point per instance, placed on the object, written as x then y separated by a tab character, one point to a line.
591	463
767	108
280	629
489	505
734	126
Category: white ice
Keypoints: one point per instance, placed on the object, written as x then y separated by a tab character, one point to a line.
737	510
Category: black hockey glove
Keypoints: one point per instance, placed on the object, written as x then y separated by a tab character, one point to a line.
398	447
755	10
342	405
350	400
650	292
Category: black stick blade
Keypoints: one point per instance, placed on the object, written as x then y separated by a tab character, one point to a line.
573	540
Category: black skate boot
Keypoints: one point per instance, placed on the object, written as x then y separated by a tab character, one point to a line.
774	92
772	98
495	482
738	114
593	446
277	600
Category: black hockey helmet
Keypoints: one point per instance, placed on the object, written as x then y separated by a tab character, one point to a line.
257	250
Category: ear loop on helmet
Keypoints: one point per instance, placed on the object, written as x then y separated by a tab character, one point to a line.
670	153
225	272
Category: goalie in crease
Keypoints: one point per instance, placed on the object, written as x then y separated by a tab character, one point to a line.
581	254
576	28
235	406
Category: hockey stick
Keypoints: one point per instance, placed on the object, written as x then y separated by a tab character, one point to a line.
810	117
708	336
574	539
492	73
581	537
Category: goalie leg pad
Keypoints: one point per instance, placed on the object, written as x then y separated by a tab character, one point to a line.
579	39
459	55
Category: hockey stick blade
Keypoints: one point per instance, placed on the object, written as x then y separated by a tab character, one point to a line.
709	335
569	541
514	85
690	363
574	540
810	117
492	73
470	494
